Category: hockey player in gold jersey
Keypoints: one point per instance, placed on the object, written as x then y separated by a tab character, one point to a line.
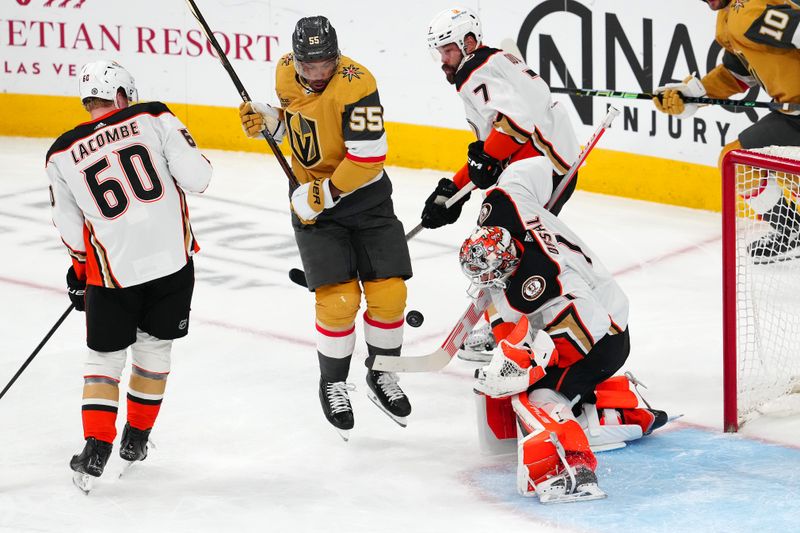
346	230
761	39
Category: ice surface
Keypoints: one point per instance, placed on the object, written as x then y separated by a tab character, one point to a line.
243	444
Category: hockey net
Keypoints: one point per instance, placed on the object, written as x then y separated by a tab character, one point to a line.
761	295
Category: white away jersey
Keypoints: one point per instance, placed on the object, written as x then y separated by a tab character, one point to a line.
500	91
560	284
116	187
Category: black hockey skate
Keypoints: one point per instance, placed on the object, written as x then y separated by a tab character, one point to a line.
775	247
133	446
336	405
388	396
90	463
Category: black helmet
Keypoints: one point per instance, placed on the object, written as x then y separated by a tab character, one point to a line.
314	39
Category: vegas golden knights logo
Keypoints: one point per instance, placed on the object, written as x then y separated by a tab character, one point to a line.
304	139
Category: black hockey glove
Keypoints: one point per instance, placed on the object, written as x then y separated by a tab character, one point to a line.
76	289
484	170
435	214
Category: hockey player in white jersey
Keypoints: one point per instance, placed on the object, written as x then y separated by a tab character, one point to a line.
519	129
117	187
567	336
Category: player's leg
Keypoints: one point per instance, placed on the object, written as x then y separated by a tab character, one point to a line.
329	262
165	317
383	331
111	317
555	461
383	264
336	309
766	197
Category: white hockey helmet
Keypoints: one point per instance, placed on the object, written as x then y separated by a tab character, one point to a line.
452	26
102	79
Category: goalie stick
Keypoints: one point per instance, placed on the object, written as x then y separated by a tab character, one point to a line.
293	183
441	357
299	277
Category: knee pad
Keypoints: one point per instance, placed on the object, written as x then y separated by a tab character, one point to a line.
105	364
386	299
383	321
337	304
151	354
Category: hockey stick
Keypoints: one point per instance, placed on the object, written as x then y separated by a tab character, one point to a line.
299	277
438	359
36	351
775	106
293	183
510	45
441	357
573	170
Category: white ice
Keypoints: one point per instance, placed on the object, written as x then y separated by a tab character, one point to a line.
242	442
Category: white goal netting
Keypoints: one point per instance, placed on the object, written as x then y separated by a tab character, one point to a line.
767	281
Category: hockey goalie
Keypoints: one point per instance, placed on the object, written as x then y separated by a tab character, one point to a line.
562	333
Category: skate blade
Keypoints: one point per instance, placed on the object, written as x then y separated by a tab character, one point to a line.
84	482
399	420
597	448
344	433
592	492
474	357
126	467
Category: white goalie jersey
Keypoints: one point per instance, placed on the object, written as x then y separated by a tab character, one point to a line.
560	284
117	191
501	92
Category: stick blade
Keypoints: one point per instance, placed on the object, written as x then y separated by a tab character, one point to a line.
298	277
423	363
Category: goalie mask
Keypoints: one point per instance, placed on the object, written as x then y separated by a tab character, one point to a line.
102	79
489	257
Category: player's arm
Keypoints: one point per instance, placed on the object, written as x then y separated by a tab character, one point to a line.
777	26
365	153
189	167
68	219
365	144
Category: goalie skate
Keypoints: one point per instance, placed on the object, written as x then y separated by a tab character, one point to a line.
570	486
775	247
478	346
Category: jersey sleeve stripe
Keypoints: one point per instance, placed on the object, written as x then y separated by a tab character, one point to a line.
561	166
79	256
460	83
358	159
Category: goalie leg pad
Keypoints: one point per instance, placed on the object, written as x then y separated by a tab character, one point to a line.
538	456
497	425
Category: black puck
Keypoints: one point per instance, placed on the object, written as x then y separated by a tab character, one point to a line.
414	319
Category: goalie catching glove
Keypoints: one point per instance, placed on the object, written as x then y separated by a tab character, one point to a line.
669	97
256	118
309	199
520	362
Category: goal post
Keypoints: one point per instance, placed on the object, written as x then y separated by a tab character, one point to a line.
760	297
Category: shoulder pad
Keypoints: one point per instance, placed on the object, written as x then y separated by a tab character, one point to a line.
474	61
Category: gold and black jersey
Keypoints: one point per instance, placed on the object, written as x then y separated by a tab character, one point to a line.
761	39
337	133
